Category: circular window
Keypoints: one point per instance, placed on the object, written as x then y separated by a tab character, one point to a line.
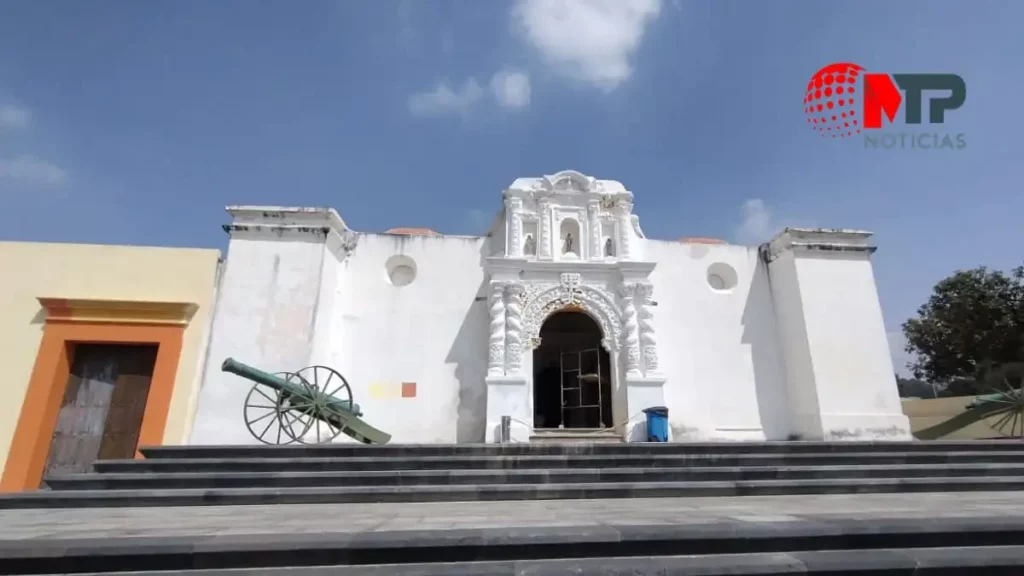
722	277
401	270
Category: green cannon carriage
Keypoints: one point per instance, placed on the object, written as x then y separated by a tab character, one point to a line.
311	406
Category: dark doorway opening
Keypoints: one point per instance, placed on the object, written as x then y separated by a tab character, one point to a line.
572	384
104	401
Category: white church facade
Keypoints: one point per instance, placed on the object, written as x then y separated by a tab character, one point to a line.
563	317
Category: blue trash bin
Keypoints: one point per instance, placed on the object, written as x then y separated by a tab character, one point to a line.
657	424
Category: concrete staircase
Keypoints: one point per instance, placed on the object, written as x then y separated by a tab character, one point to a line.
246	475
961	547
346	473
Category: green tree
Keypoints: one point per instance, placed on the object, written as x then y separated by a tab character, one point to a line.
972	324
914	388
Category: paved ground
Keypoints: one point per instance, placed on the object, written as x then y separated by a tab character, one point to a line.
347	518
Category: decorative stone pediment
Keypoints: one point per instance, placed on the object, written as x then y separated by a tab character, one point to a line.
570	181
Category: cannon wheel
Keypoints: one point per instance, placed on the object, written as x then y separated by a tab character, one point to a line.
272	419
324	384
1010	422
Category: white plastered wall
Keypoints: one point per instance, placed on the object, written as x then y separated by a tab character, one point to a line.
795	347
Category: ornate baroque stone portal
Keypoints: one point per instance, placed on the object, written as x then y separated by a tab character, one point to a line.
587	256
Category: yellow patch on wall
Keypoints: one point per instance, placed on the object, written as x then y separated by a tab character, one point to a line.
391	390
385	391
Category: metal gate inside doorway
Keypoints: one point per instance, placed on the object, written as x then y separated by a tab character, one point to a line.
581	383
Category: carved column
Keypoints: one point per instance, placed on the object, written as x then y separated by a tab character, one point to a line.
648	340
623	210
593	206
514	329
544	210
631	345
514	211
496	349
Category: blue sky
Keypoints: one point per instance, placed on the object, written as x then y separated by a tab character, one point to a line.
136	122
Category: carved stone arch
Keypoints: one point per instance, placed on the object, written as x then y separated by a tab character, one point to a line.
587	299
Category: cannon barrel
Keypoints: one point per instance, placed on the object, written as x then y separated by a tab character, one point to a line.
281	385
1003	397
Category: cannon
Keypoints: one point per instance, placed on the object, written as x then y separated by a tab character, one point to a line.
311	406
1008	405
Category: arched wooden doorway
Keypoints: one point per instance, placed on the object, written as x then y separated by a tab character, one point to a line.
572	375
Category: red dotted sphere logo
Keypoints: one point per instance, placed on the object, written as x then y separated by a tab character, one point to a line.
830	100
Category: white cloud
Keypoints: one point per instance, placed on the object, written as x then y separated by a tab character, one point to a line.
14	116
511	89
25	169
445	100
591	40
758	223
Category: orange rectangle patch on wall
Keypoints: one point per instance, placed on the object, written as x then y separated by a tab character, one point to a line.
408	389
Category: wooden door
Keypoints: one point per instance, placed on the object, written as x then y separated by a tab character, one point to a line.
104	401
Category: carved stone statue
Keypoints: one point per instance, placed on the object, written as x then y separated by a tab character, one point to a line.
567	247
530	247
609	248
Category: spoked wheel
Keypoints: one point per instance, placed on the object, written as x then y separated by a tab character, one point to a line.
1010	422
327	388
271	417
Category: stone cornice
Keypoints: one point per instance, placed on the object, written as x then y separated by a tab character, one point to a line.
277	229
283	219
516	269
626	267
820	240
117	311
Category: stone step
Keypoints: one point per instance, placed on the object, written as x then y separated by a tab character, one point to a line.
587	438
237	496
780	547
573	448
260	464
972	561
279	479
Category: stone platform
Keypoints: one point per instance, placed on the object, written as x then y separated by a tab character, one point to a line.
535	509
739	535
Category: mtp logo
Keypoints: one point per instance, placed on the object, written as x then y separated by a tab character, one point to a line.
843	100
